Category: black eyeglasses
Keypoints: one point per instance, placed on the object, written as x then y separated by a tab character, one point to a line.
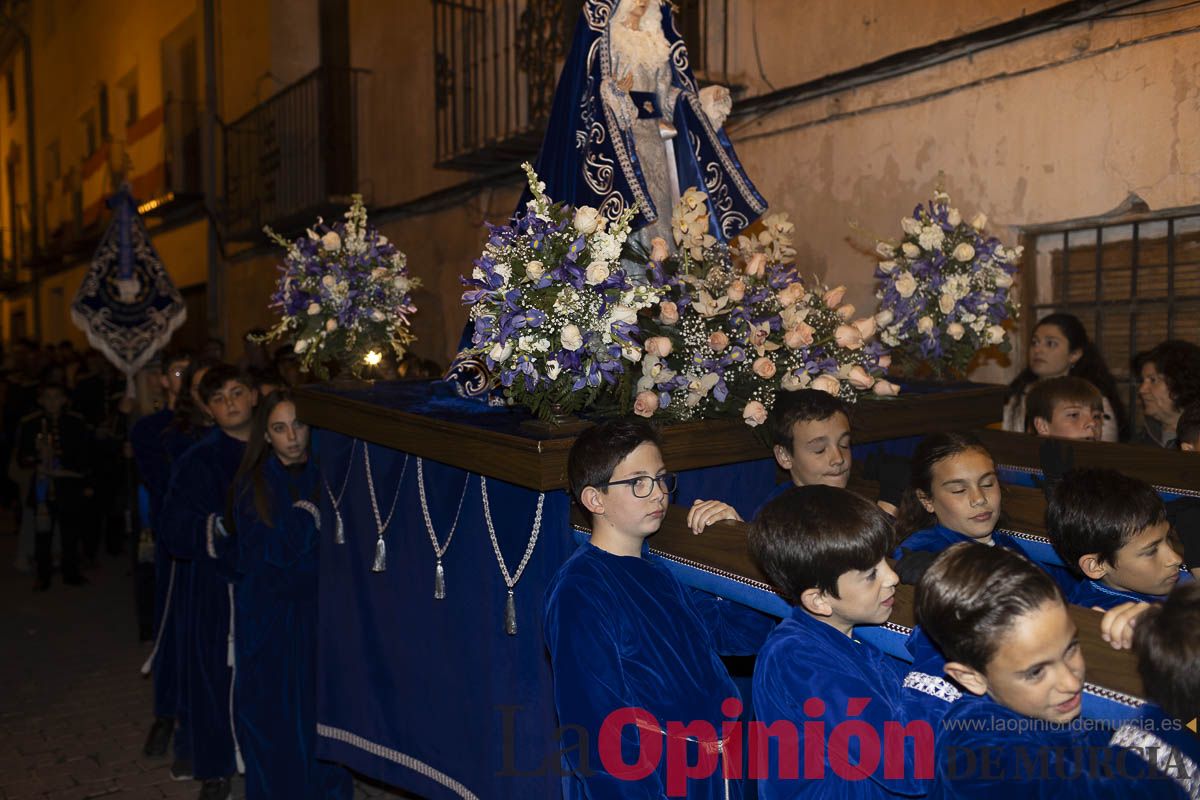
643	485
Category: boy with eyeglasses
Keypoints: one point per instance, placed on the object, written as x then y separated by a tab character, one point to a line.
624	634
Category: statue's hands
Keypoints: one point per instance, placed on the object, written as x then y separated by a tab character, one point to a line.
717	103
626	83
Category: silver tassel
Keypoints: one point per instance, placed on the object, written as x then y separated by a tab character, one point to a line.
510	615
380	556
339	530
439	582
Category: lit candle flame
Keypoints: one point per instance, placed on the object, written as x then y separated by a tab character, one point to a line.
372	358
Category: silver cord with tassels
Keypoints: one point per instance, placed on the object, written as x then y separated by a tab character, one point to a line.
439	575
339	529
381	525
510	605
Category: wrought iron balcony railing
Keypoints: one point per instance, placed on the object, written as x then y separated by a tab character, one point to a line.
294	155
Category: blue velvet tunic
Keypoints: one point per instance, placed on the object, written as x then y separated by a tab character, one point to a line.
988	752
939	537
195	501
1095	594
275	595
805	661
1174	749
623	633
147	438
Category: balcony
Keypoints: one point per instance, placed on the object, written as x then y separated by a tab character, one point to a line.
496	65
294	156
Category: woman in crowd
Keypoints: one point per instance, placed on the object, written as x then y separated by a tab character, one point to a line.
274	522
1168	381
1060	346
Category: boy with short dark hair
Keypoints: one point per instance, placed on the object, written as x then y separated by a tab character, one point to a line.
1114	530
1167	643
190	522
623	632
823	550
1067	407
810	439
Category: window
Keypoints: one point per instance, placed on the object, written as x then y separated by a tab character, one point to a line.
91	131
53	162
129	89
1133	281
10	89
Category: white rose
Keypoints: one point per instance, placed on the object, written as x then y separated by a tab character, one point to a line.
954	217
377	315
911	226
314	309
300	346
553	368
534	270
597	272
884	318
884	249
955	331
331	241
588	220
964	252
946	303
924	325
1003	280
910	249
792	382
571	338
887	266
979	221
631	352
906	284
501	352
995	334
622	314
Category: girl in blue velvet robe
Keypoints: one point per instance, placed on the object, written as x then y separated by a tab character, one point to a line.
273	555
954	497
1009	642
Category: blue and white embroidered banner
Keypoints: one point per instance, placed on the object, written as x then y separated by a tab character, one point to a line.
127	305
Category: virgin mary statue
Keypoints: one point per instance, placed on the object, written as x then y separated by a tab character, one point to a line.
629	126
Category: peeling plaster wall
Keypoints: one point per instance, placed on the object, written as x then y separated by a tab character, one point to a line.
1060	126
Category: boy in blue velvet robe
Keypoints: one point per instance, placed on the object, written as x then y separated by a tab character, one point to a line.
810	439
190	516
635	654
1009	642
273	556
1114	530
1167	643
824	549
148	440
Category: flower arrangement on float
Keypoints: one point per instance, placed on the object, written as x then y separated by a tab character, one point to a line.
945	290
737	323
554	315
344	295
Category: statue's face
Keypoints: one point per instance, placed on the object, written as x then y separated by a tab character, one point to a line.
637	9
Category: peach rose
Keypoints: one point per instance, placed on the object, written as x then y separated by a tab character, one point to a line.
848	336
800	335
755	413
763	367
790	295
756	265
827	383
718	341
833	297
658	346
645	404
736	290
658	249
885	389
885	360
859	378
866	326
668	313
846	311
